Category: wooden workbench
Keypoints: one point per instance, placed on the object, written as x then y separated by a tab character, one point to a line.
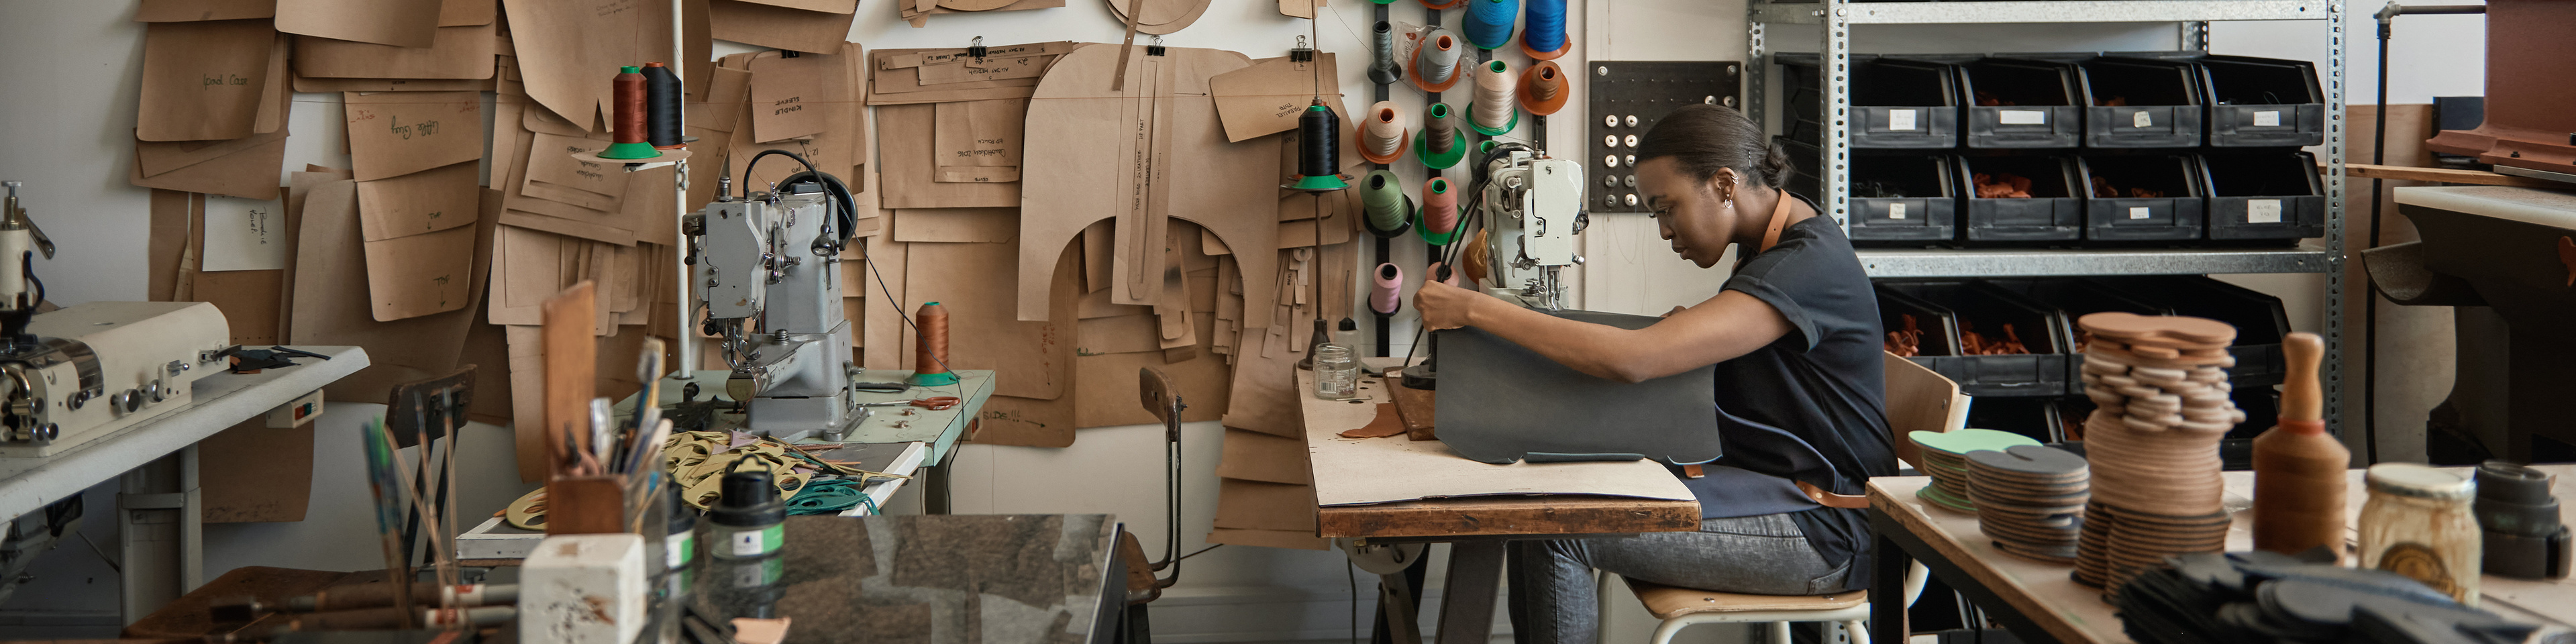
1475	526
2040	603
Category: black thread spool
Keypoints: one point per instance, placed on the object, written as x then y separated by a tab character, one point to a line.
1319	152
661	107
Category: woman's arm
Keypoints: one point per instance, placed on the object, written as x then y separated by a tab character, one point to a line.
1724	327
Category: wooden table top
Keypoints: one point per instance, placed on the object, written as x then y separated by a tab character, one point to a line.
2075	613
1471	516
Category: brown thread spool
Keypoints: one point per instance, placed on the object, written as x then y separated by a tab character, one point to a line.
930	351
1543	88
627	94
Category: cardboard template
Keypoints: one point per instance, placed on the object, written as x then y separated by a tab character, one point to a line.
334	305
196	10
1030	359
905	141
468	13
250	173
401	23
337	85
889	341
791	97
242	234
1256	505
918	12
1120	334
398	133
570	73
826	6
895	76
421	202
204	80
278	98
1186	168
456	53
776	26
1268	97
954	225
554	175
1255	456
417	275
154	159
251	473
978	141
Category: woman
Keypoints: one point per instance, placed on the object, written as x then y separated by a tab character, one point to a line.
1800	391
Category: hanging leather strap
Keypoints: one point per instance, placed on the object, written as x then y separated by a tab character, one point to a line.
1832	500
1779	220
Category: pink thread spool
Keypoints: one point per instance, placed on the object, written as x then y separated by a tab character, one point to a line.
1389	293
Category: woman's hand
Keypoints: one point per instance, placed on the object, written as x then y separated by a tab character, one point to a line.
1444	306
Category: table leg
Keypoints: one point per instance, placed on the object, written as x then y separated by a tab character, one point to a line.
1467	603
159	530
1887	613
1400	604
1893	539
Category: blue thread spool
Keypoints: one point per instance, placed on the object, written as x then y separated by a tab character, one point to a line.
1489	22
1543	30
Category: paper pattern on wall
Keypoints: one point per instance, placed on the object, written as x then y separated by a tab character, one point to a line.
244	235
203	80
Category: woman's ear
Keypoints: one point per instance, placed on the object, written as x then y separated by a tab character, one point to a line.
1723	184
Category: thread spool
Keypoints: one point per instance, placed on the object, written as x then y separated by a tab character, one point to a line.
1319	152
1476	261
1489	22
1435	63
662	106
627	100
1543	89
1494	113
1383	199
1441	274
930	350
1543	30
1382	134
1438	146
1388	295
1439	211
1443	6
1382	66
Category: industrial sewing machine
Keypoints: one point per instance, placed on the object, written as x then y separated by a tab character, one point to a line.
1533	208
75	374
769	267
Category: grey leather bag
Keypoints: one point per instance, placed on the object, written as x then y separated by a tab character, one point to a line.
1501	403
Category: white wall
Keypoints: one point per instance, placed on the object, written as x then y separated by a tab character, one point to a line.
70	109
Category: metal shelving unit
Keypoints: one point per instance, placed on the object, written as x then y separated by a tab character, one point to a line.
2191	18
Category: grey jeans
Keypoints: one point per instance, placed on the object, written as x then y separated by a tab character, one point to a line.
1553	600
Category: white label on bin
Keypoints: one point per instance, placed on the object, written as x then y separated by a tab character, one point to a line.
2263	211
2022	117
2139	212
2267	118
1897	211
2141	119
1900	120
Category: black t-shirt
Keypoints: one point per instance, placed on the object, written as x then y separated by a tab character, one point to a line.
1811	406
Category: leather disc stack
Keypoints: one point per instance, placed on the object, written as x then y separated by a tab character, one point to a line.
1945	459
2160	388
2030	500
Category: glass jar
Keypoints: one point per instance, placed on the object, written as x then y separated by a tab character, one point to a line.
1337	374
2418	523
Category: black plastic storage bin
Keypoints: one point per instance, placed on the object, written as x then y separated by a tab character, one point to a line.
1940	327
2259	319
2053	212
2263	102
2041	419
2075	297
2021	103
1897	200
1997	315
2141	103
2116	210
2264	197
1910	200
1897	102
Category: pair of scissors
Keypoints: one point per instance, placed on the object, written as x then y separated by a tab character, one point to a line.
934	403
